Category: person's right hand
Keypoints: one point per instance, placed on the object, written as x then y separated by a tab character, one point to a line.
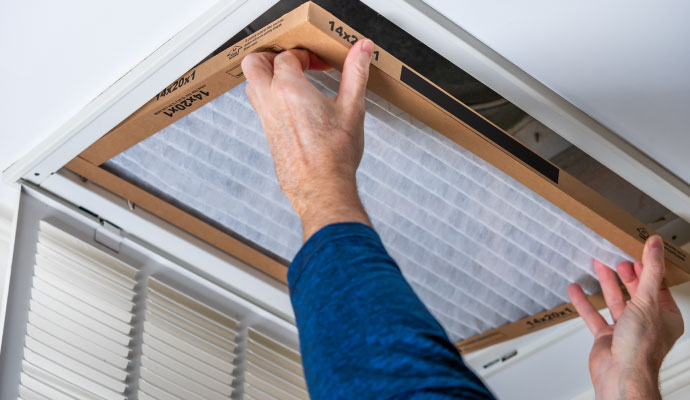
317	141
626	356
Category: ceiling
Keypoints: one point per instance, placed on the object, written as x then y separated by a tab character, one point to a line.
626	67
64	54
589	52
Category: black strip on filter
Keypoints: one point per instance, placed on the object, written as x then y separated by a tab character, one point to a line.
491	132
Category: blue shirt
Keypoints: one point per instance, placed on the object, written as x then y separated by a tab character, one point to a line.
364	334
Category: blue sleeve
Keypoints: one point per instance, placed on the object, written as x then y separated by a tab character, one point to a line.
364	334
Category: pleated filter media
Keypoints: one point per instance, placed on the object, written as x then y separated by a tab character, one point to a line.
479	248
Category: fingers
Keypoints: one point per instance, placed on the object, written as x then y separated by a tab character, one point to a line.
353	84
653	269
609	286
638	269
264	70
292	62
626	271
258	69
595	322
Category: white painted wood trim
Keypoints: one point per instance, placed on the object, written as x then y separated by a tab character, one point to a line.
205	34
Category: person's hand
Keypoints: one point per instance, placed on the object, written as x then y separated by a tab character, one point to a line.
626	356
317	141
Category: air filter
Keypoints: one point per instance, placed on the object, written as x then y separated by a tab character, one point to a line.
457	201
479	248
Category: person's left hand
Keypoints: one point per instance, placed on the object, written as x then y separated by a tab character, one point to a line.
626	356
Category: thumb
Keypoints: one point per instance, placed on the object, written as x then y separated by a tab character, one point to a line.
652	269
353	84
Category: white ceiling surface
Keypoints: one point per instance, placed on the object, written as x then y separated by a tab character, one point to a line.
626	65
58	56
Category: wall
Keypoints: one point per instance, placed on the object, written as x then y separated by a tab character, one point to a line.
8	198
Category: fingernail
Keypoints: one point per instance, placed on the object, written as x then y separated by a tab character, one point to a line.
655	242
368	47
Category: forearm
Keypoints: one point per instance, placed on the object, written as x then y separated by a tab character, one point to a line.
638	384
336	200
363	331
635	390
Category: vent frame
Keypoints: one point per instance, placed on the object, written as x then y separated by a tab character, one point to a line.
37	208
308	29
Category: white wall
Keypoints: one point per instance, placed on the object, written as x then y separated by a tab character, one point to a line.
8	196
624	63
8	199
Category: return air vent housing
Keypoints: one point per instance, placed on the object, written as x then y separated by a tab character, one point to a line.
96	327
273	370
188	348
479	248
80	321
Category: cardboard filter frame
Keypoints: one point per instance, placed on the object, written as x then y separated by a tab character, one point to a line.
311	27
